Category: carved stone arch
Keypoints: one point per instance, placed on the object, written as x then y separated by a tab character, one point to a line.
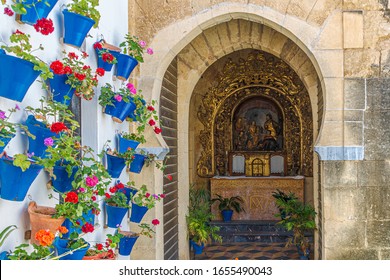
259	74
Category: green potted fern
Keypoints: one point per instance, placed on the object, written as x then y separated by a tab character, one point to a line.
227	205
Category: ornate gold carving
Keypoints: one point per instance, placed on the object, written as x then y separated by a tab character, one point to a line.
262	75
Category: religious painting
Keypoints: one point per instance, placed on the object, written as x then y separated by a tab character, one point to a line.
257	126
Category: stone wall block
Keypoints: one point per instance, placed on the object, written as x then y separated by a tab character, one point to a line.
300	8
353	115
323	10
344	234
350	254
353	29
378	93
378	203
332	133
373	173
353	134
340	173
330	62
361	62
331	37
378	234
354	93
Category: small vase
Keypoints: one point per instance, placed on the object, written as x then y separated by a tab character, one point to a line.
137	212
5	140
14	182
198	249
127	242
115	215
120	110
227	215
39	10
76	28
113	50
125	66
61	246
63	181
138	163
16	76
115	165
61	91
41	218
125	144
41	132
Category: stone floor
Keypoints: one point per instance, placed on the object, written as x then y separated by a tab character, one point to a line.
248	251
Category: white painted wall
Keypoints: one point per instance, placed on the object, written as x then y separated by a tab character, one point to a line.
97	127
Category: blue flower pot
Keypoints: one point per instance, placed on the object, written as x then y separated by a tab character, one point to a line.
114	215
125	66
41	10
124	144
105	65
4	256
61	91
115	165
5	141
63	181
120	110
76	28
88	217
126	244
227	215
198	249
133	115
137	163
14	183
13	84
137	212
129	192
61	246
41	132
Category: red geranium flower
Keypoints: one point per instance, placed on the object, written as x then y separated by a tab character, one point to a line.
72	55
107	57
150	108
169	177
99	246
107	195
57	67
157	130
72	197
68	70
79	76
58	127
152	122
44	26
155	222
113	189
100	72
85	55
119	186
97	45
87	227
162	195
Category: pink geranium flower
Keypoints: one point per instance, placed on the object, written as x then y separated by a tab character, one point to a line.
91	181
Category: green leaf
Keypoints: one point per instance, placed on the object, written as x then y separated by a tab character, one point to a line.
22	161
19	8
5	232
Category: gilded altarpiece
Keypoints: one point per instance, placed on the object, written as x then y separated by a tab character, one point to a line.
261	78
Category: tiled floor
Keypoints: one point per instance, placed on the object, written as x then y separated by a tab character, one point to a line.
248	251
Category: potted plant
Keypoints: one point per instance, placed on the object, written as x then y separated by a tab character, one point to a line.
132	52
13	85
3	236
198	218
119	104
106	54
8	129
128	238
300	219
104	251
33	12
17	173
75	247
131	140
79	17
141	202
228	204
281	199
116	205
73	75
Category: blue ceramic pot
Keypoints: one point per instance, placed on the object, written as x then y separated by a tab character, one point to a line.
88	217
5	140
129	192
76	28
198	249
61	91
16	76
41	132
41	10
103	64
115	165
61	246
126	244
137	163
125	66
3	256
137	212
63	181
115	215
227	215
124	144
14	182
120	110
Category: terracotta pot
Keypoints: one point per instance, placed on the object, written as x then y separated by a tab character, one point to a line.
41	218
100	256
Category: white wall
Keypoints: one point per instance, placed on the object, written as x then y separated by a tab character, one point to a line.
97	127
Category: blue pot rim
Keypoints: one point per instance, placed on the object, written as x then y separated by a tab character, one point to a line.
78	15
